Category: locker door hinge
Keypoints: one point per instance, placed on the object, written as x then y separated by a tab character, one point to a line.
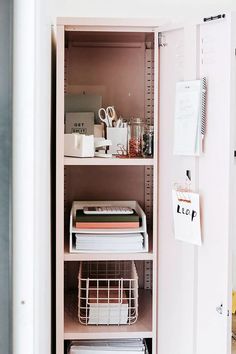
161	40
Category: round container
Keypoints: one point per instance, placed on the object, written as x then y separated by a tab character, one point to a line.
136	129
147	141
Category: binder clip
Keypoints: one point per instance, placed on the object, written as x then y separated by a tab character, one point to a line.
183	192
121	151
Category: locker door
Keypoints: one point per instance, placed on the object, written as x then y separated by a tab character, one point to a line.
193	281
217	63
176	260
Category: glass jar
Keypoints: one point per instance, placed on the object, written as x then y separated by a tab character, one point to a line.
147	141
135	137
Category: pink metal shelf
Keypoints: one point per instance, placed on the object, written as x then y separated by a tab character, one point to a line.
73	330
70	161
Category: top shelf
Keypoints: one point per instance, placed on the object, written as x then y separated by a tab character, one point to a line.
75	161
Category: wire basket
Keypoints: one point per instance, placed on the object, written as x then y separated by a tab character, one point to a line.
107	293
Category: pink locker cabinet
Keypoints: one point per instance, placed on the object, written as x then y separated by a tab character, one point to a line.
135	65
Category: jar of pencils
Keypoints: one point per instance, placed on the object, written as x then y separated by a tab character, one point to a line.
136	129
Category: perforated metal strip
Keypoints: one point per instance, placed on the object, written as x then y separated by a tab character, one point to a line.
149	215
66	202
66	198
66	70
66	206
148	275
149	86
149	193
149	118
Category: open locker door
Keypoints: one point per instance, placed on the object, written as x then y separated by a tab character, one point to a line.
193	282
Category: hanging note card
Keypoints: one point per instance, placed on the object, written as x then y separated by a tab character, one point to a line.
186	211
188	117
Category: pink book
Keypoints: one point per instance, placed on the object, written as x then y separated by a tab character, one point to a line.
107	225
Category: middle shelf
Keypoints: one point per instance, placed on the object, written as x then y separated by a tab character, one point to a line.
73	330
120	183
114	161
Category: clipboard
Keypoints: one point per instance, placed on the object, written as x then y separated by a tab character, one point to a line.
190	117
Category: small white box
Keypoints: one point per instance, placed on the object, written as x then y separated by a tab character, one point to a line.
119	138
78	145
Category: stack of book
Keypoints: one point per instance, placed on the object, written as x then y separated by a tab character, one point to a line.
107	221
108	241
107	226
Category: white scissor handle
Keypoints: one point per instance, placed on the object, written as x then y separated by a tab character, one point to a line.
102	113
107	115
111	113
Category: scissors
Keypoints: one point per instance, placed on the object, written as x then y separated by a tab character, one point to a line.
107	115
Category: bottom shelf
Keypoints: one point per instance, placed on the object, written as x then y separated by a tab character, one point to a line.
141	329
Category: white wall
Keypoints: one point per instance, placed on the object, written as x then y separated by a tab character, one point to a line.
169	9
234	259
234	267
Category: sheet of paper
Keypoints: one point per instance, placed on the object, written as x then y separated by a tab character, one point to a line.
113	242
186	212
108	346
187	118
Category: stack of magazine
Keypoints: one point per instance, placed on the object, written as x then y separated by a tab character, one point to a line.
109	242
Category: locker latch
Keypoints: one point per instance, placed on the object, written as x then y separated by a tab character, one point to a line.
219	309
212	18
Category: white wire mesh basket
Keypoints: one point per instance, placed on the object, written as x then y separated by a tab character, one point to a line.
107	293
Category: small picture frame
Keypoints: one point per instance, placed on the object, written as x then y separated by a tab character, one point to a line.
79	122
